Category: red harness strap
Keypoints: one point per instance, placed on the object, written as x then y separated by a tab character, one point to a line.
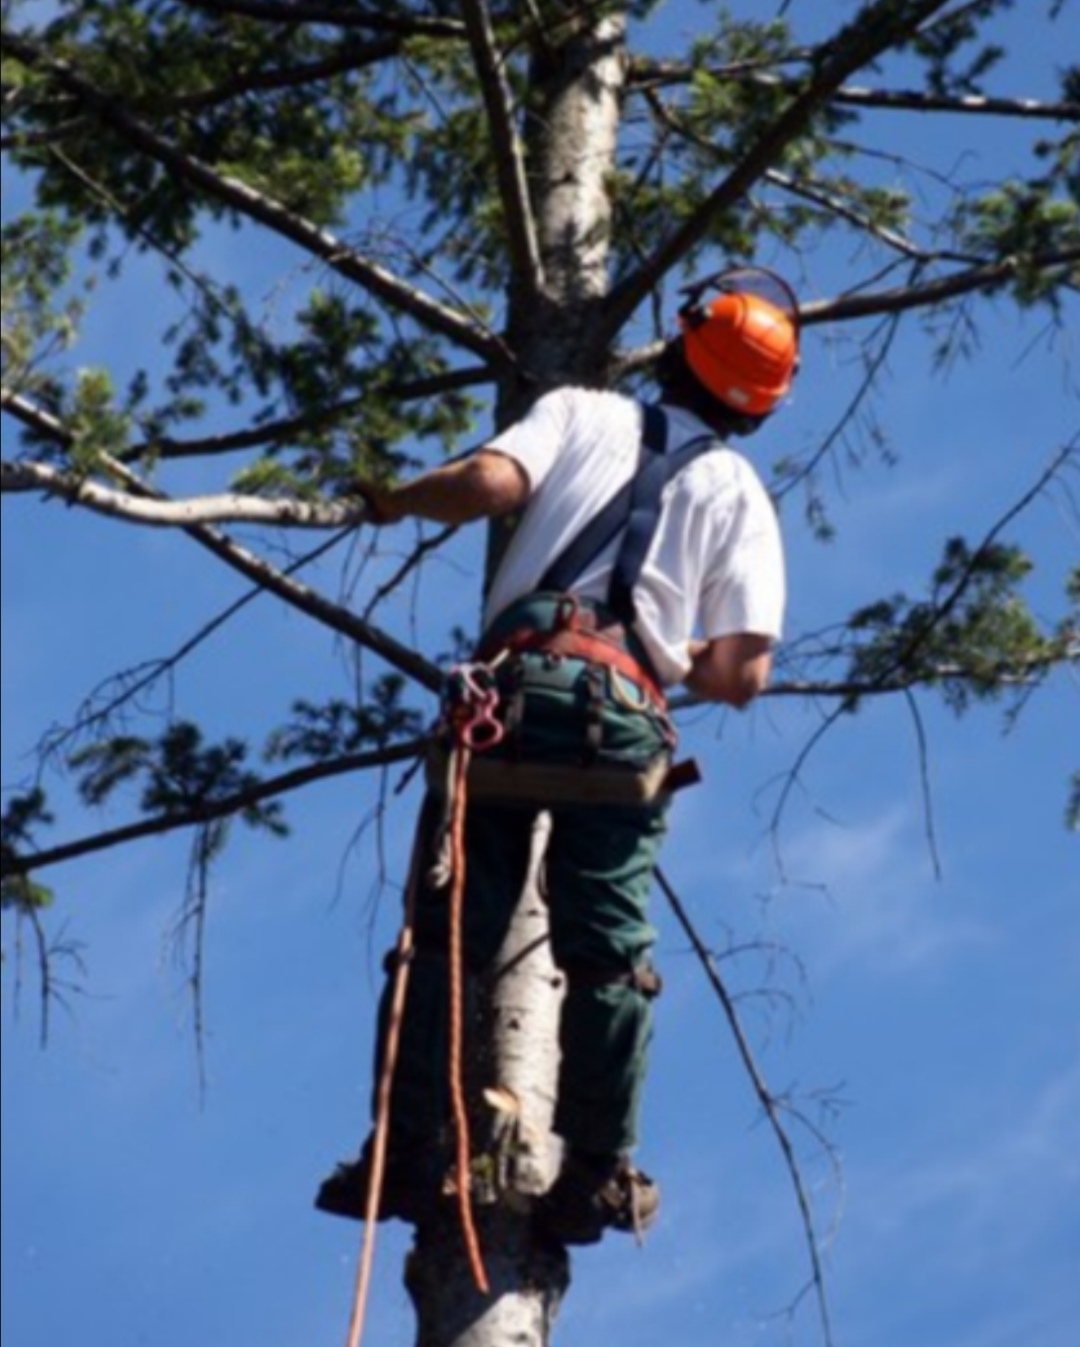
589	646
576	634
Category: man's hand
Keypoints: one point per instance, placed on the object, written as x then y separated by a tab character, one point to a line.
381	503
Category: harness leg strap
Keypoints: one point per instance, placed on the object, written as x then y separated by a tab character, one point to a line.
642	978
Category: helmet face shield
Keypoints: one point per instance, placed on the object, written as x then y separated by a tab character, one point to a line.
759	281
742	346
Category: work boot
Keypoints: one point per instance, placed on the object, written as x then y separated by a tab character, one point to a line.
593	1194
412	1183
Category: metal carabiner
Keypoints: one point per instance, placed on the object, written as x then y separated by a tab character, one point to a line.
483	730
477	726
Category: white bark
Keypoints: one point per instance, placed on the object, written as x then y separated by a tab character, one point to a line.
226	506
575	152
516	1054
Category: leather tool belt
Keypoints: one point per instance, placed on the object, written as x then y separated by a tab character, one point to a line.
514	782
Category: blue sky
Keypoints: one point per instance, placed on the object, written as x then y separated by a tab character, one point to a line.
923	973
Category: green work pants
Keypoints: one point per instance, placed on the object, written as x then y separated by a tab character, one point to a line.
597	878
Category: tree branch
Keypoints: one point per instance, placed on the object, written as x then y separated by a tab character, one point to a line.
290	427
332	615
818	195
20	865
506	148
808	190
769	1103
239	196
649	75
981	276
346	14
157	512
878	27
356	57
970	104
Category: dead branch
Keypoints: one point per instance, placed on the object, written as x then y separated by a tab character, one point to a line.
157	513
771	1105
268	577
507	149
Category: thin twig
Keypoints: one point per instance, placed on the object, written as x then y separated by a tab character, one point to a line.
768	1101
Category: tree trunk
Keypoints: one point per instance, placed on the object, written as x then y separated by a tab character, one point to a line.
571	131
514	1059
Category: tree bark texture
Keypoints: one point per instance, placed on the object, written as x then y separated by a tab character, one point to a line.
513	1053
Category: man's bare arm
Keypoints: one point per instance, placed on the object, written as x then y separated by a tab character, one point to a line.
480	486
731	669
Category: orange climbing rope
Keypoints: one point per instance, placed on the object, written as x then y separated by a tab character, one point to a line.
462	1157
473	697
473	727
402	962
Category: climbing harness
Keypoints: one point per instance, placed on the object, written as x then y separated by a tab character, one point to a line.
577	632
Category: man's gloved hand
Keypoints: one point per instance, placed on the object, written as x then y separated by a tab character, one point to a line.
380	501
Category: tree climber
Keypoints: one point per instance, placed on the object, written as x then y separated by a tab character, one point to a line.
584	628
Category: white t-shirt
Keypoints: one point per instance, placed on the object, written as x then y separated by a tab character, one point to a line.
715	566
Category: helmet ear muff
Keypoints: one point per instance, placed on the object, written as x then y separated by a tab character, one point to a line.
692	312
692	316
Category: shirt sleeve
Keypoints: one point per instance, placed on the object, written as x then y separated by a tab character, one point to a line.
534	441
744	589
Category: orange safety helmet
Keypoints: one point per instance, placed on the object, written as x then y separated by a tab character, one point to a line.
742	346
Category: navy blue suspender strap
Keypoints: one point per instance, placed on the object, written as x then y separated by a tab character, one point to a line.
605	524
634	509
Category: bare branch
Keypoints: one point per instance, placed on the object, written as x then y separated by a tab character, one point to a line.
506	147
333	615
230	507
319	418
971	104
355	57
344	14
830	201
648	75
121	689
770	1103
804	188
981	276
876	350
924	782
1020	674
